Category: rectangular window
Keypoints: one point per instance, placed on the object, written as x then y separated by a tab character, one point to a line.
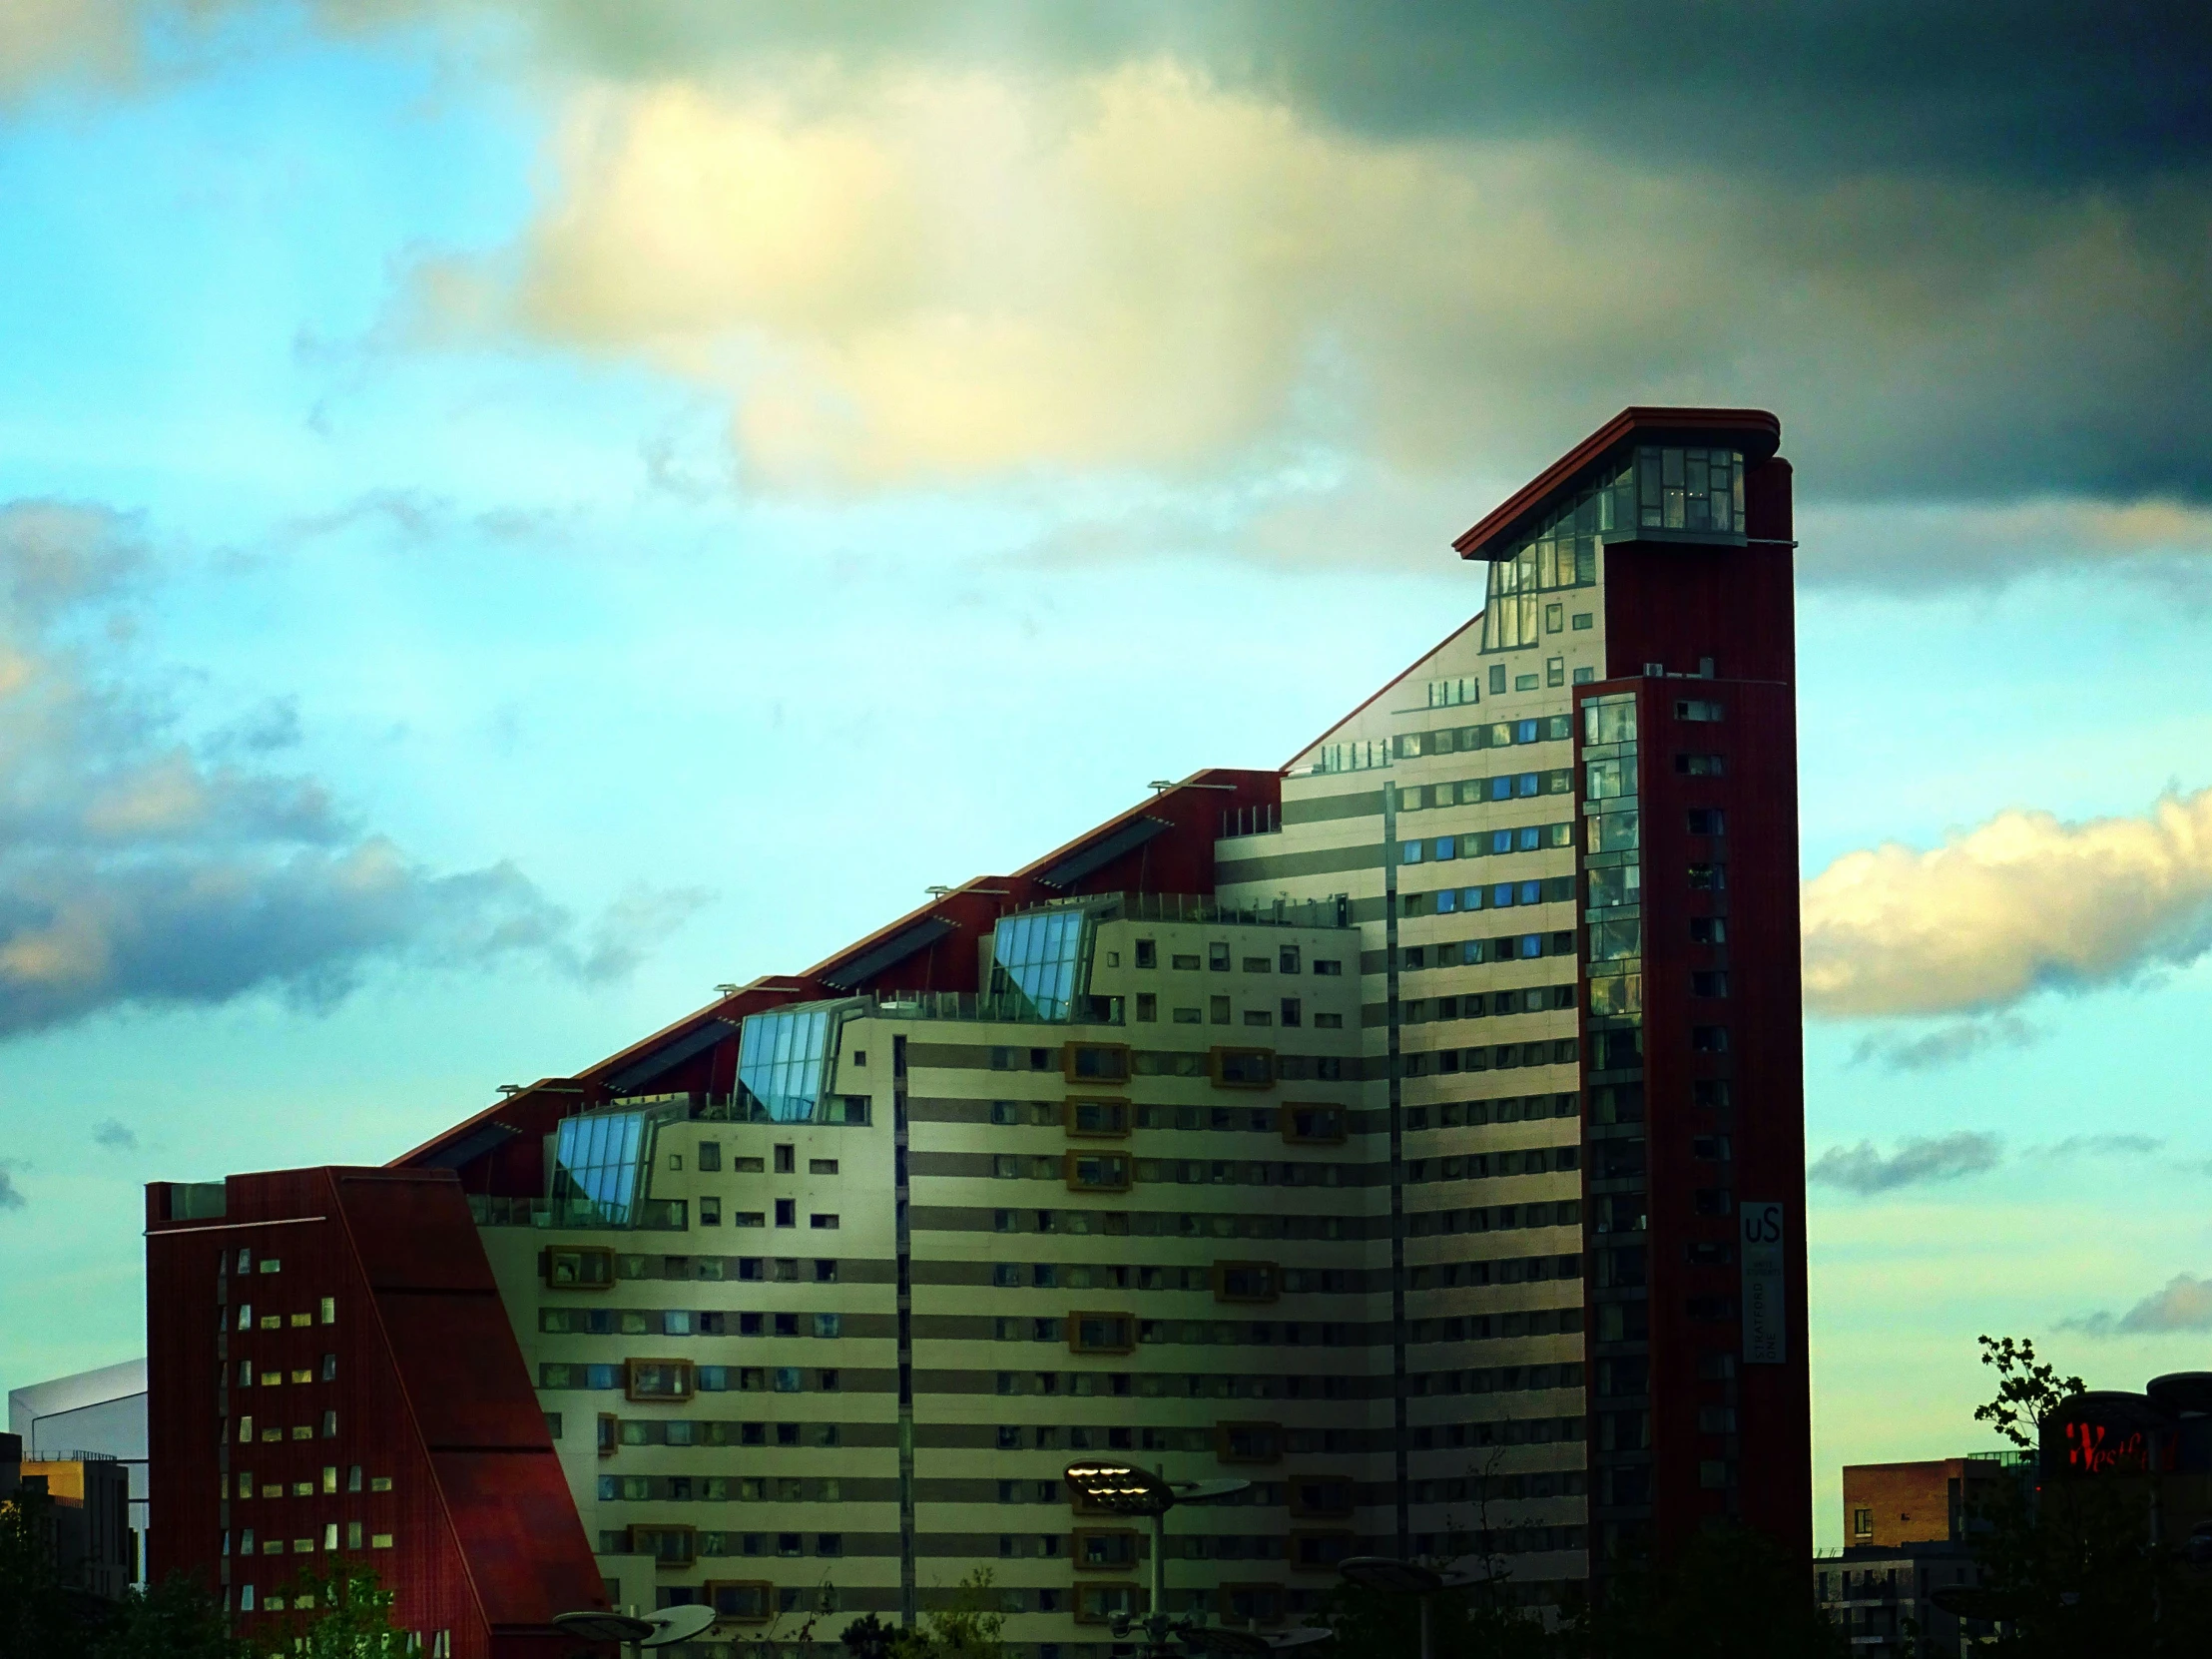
786	1212
1555	667
1498	679
1286	958
1707	820
1248	1442
1185	964
1694	709
710	1212
1217	958
1701	765
1148	953
1258	1016
1708	877
1097	1172
659	1380
1148	1008
1314	1124
1188	1016
1246	1281
1708	930
329	1312
1409	853
1218	1011
1709	1039
1708	984
822	1166
1095	1062
822	1222
1241	1068
1097	1117
1292	1011
1101	1334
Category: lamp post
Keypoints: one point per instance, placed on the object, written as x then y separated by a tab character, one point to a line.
1407	1578
670	1624
1125	1490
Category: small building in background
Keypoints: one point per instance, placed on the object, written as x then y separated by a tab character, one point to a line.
91	1417
89	1531
1908	1532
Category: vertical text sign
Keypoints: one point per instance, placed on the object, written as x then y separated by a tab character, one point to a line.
1765	1329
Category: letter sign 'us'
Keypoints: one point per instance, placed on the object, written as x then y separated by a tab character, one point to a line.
1766	1324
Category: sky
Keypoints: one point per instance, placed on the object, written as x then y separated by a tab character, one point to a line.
514	512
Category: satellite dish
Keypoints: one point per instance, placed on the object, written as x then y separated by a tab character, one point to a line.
603	1626
677	1624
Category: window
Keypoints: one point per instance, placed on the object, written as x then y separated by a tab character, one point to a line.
1148	953
1189	1016
1097	1117
1861	1523
1218	1013
1258	1016
1217	958
1248	1442
380	1540
1097	1172
1095	1062
1314	1124
786	1212
1707	820
1241	1068
1318	1551
710	1212
1708	877
1185	964
1555	670
1708	984
1102	1603
822	1166
1101	1334
1701	765
786	1160
669	1546
1709	1039
1694	709
1327	969
1103	1549
1246	1281
1148	1008
659	1380
822	1222
1708	930
740	1602
1286	958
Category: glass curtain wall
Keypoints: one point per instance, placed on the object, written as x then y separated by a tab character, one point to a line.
783	1058
599	1168
1041	959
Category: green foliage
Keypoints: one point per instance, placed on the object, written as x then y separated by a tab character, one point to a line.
347	1615
177	1619
1464	1624
1726	1593
35	1615
2027	1392
968	1629
2071	1569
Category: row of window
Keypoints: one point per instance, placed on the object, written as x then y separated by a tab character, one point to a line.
1505	785
1220	958
1445	1062
1494	896
298	1431
327	1372
1486	843
356	1538
1500	734
673	1380
1110	1172
1509	947
1534	1000
718	1489
615	1431
1224	1067
1079	1116
785	1159
673	1213
326	1487
684	1322
1512	1107
327	1313
1291	1012
595	1267
1146	1223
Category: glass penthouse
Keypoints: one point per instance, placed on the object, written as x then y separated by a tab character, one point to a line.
1413	1131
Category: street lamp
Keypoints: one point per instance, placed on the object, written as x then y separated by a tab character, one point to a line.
669	1625
1390	1576
1125	1490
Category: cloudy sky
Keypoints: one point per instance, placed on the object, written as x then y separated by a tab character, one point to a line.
509	517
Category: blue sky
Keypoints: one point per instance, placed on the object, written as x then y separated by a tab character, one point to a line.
534	595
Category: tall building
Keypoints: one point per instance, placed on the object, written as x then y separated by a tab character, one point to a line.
1241	1135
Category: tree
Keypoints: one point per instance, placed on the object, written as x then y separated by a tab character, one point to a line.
177	1619
1725	1593
36	1619
968	1629
351	1617
2027	1392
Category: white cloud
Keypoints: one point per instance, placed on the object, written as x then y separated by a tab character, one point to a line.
140	868
2023	903
2184	1303
1861	1169
922	271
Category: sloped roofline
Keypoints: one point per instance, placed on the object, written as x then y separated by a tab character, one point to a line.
1756	431
1368	700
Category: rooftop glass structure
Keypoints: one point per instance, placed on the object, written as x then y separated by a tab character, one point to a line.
599	1162
1042	959
1653	487
784	1059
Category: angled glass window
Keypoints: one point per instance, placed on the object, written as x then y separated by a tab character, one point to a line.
599	1168
782	1058
1041	959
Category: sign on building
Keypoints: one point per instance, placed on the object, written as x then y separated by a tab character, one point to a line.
1765	1327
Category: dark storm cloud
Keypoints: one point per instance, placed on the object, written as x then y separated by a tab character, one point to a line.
137	870
2046	93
